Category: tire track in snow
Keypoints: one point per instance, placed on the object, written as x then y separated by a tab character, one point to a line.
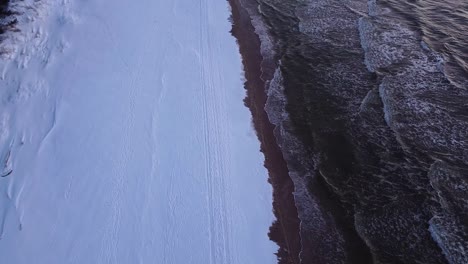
215	150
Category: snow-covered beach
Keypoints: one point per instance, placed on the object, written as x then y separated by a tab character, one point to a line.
125	132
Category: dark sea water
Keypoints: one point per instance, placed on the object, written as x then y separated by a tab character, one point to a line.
443	26
370	103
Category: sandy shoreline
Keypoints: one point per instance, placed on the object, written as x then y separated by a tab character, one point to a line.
285	231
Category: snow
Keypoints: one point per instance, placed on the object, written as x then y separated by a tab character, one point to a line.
127	139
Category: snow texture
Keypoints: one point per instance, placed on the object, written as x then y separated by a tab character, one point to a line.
124	138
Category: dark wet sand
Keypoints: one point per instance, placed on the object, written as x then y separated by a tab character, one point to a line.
285	231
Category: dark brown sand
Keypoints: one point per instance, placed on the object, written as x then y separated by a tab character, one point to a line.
285	230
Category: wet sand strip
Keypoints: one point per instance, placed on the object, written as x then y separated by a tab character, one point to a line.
285	230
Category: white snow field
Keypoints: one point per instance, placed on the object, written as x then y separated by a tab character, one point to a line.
124	138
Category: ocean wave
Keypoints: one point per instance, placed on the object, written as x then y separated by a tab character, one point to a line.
314	223
365	102
443	26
